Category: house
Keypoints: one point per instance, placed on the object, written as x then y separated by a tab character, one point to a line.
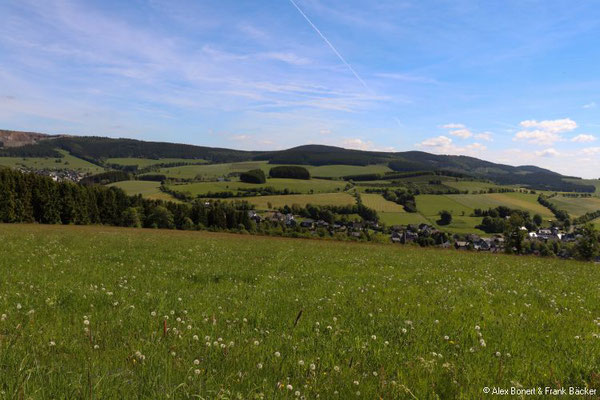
322	224
290	220
307	223
254	216
396	237
461	245
409	236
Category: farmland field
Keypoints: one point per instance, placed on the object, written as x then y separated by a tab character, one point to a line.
211	171
66	162
147	189
294	185
319	199
576	206
84	312
146	162
593	182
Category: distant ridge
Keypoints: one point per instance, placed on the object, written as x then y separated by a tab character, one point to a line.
98	149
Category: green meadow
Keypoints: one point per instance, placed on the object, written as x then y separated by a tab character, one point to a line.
148	189
115	313
576	206
66	162
147	162
294	185
318	199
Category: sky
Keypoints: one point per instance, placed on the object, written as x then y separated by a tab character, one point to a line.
515	82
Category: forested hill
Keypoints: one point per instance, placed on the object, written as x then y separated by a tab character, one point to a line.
99	149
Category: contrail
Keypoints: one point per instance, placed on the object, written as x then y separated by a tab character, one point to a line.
337	53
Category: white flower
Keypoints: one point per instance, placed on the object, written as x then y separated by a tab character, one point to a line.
153	313
52	343
356	383
313	367
256	342
173	353
297	393
197	371
373	337
446	337
477	327
482	342
195	337
277	354
96	347
19	306
196	362
498	354
289	387
404	330
336	368
86	322
301	362
259	366
374	373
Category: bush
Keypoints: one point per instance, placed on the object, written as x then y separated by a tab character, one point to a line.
253	176
289	171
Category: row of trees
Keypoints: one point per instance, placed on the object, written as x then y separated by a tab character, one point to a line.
290	172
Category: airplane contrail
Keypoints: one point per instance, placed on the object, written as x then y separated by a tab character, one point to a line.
337	53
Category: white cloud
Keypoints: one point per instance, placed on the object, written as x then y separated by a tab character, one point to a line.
484	136
545	132
359	144
453	126
583	138
590	105
591	151
547	153
462	133
445	145
556	126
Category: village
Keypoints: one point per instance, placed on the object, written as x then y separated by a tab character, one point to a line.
422	234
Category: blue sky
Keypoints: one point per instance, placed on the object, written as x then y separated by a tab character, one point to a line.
513	81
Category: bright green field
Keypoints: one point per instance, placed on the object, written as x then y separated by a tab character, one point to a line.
577	206
147	189
469	185
146	162
66	162
295	185
337	171
318	199
431	205
372	321
212	171
389	212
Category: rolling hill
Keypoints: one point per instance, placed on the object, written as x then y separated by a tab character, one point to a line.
99	149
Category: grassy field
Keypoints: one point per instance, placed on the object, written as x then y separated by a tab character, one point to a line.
389	212
84	312
295	185
146	162
576	206
319	199
211	171
471	186
66	162
147	189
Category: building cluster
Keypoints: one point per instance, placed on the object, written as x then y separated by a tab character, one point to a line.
57	175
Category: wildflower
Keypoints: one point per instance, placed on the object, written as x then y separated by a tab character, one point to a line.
96	347
446	337
498	354
313	367
404	330
297	393
4	316
472	350
277	354
86	322
436	322
19	306
477	328
373	337
196	362
197	371
356	383
482	342
173	353
374	373
289	387
576	337
153	313
259	366
301	363
195	337
52	343
256	342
